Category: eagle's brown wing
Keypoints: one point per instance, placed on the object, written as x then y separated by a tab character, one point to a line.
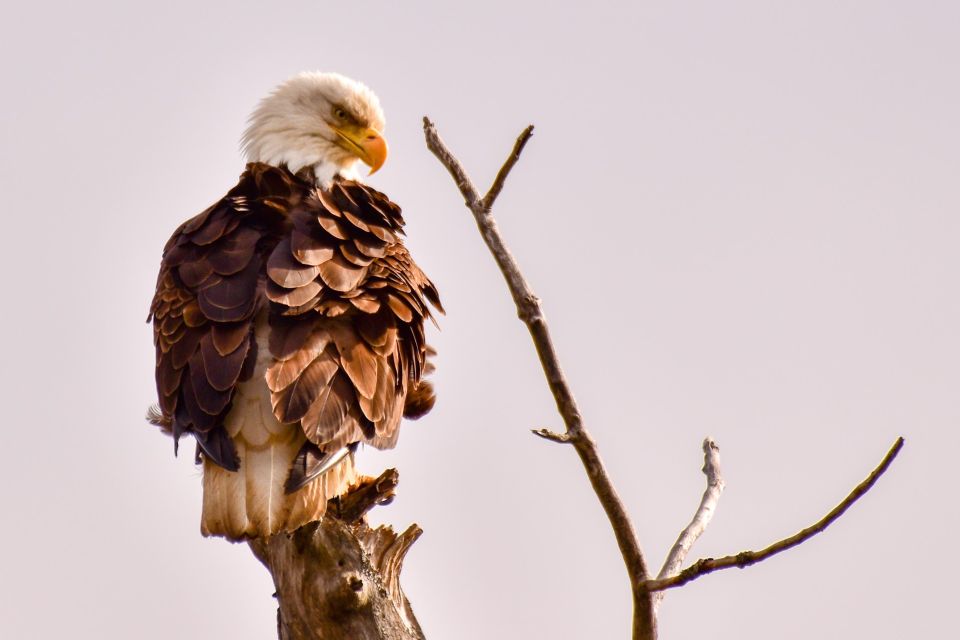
346	324
208	292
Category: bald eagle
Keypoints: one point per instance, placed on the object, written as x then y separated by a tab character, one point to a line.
289	316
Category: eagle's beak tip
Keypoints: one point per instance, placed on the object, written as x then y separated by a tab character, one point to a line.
375	150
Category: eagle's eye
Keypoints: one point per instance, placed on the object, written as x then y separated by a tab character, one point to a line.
340	113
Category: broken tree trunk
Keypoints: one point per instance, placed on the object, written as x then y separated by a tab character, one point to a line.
339	579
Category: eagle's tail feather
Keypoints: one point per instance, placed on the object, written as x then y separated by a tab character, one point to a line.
253	502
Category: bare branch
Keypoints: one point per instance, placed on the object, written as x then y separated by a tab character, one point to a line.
747	558
701	519
501	178
552	436
369	493
529	311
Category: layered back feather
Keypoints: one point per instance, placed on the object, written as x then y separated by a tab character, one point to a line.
288	323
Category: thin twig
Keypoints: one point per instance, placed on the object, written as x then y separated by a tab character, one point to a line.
701	519
747	558
530	312
552	436
501	178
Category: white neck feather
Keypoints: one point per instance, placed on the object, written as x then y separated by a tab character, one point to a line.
324	172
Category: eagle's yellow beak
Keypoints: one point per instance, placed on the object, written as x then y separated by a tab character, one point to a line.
368	145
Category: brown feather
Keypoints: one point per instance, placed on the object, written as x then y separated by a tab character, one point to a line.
192	315
353	256
370	247
170	325
366	303
232	254
378	330
384	234
286	271
222	371
373	407
357	360
292	297
211	400
185	348
216	445
400	308
168	376
333	308
227	314
282	373
340	275
228	336
327	202
419	401
328	411
356	221
290	404
178	333
287	336
168	403
212	229
195	272
197	418
342	196
309	250
331	226
232	299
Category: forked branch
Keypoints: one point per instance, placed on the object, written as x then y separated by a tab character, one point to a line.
702	517
747	558
646	592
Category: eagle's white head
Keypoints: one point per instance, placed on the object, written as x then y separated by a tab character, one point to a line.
320	120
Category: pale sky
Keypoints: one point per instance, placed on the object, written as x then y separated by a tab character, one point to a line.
742	218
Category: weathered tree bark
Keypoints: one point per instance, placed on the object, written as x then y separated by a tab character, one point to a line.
339	579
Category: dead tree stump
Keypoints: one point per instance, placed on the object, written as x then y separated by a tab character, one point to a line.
339	579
